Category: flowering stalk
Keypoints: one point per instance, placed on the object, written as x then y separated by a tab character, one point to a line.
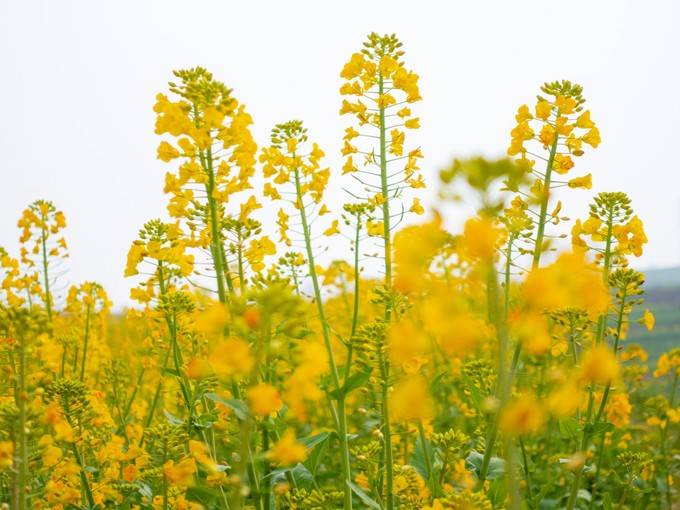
21	396
340	410
664	435
629	282
46	279
85	341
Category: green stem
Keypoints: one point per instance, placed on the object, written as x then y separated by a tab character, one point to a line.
503	385
540	232
22	460
216	247
85	342
384	187
664	434
527	473
586	435
387	433
431	480
48	295
341	412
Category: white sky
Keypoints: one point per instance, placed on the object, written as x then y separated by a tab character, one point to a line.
79	80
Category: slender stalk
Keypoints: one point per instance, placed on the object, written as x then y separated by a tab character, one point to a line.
586	435
357	279
542	216
340	405
387	434
216	237
48	295
21	461
241	274
525	461
431	480
664	435
503	385
85	342
387	238
513	483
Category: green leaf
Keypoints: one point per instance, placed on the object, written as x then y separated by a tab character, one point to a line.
145	490
354	381
569	428
174	420
498	492
205	421
607	502
496	465
312	441
239	407
201	494
418	458
302	476
365	498
475	393
584	494
436	383
595	429
318	444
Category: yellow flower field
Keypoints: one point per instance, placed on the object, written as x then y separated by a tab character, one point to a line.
480	369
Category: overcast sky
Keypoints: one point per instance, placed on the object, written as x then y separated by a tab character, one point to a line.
79	80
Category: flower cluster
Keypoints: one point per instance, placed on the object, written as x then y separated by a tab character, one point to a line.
465	372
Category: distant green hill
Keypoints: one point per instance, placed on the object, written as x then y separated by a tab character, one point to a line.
662	297
662	278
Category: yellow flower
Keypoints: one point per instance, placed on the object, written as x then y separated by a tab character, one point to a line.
531	330
167	152
375	228
523	415
570	282
619	409
648	320
407	346
564	400
411	400
585	182
6	454
287	450
181	473
412	123
598	365
231	358
332	230
584	121
480	238
264	399
562	163
668	361
416	207
543	110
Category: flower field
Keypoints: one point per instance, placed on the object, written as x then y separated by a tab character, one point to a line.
486	368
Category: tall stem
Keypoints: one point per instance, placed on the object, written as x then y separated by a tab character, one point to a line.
48	295
387	239
341	412
664	435
540	232
503	386
599	337
385	196
22	460
216	237
586	435
85	342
